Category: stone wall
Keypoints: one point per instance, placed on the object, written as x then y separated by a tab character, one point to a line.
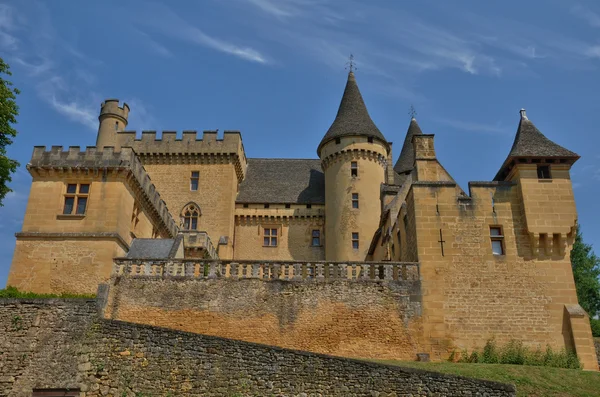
346	318
597	344
62	344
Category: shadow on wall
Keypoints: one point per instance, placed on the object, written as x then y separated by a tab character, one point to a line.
315	191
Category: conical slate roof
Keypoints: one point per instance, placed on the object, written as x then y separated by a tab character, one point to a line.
531	143
406	160
352	117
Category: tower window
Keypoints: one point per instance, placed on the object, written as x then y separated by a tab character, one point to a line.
309	206
245	205
316	238
116	126
266	205
355	240
194	180
497	240
338	141
190	215
76	199
543	172
269	237
353	168
288	206
354	200
370	139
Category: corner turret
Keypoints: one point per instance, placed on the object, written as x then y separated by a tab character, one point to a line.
354	157
112	118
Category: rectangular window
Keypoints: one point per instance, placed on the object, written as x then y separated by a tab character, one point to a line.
497	240
355	240
316	238
543	172
370	139
194	180
269	237
309	206
354	200
353	168
338	141
76	198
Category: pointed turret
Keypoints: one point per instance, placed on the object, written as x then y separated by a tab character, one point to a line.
531	145
352	118
406	160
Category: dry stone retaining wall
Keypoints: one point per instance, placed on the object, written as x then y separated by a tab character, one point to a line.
63	344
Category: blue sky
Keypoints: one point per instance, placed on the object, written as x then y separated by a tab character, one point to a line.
274	69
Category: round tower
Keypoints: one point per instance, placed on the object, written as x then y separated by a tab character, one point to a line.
112	118
353	155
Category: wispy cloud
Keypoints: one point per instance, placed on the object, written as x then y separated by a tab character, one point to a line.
152	44
592	18
161	18
475	127
142	116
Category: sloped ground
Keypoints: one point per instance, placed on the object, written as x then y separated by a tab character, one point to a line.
530	381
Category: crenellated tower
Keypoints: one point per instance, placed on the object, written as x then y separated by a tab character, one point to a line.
112	118
353	155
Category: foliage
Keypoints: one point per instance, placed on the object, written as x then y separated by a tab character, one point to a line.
530	380
12	292
8	116
515	353
586	271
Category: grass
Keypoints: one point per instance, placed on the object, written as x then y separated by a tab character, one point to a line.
12	292
529	380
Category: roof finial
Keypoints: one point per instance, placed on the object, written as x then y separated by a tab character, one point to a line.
523	114
351	65
412	112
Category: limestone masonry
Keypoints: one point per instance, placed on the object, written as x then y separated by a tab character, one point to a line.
355	253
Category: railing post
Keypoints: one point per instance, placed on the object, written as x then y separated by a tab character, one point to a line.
388	272
366	271
319	276
212	270
276	271
255	269
343	271
233	270
188	269
297	272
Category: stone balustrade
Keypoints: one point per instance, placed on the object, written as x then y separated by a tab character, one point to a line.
268	270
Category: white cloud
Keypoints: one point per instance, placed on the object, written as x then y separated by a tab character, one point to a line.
141	116
592	18
163	19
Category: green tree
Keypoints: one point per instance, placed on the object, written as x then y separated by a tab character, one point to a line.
8	116
586	271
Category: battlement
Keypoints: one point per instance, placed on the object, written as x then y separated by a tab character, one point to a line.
90	159
111	107
152	149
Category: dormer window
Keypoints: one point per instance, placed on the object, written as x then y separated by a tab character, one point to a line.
543	172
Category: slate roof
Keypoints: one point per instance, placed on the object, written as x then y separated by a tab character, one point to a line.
530	142
406	160
293	181
154	248
352	117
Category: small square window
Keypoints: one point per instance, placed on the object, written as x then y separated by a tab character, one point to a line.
245	205
338	141
353	168
497	239
308	205
316	238
355	240
288	206
266	205
71	188
543	172
354	200
269	237
76	199
370	139
84	189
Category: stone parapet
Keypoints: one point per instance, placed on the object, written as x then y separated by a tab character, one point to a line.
92	160
268	270
170	149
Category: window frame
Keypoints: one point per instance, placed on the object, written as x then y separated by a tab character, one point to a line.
270	236
354	169
542	174
497	238
194	178
188	221
355	239
77	196
313	237
354	199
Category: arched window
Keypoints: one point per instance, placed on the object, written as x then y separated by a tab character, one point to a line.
189	216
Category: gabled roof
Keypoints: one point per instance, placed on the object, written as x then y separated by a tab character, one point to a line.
294	181
352	118
531	143
406	160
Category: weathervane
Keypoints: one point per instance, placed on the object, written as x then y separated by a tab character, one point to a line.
412	112
351	65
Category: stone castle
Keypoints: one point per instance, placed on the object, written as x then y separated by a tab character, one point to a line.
357	253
